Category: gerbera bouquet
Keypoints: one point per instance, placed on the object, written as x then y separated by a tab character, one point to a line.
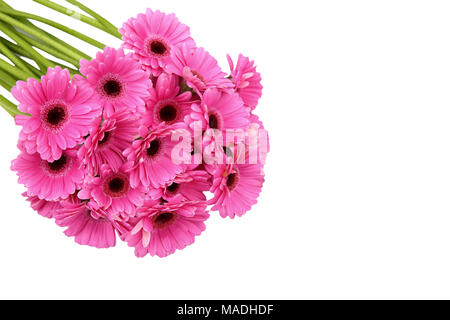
138	142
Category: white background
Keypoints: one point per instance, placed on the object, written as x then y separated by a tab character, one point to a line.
356	203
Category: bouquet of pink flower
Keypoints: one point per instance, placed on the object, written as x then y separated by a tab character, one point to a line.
139	142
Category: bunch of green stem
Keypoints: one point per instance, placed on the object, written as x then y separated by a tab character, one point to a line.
29	43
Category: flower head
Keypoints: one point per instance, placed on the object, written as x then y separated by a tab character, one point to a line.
112	192
149	160
236	187
219	111
162	229
118	81
152	36
61	112
106	142
166	103
247	81
49	181
89	226
198	68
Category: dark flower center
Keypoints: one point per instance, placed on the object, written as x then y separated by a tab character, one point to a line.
116	185
163	220
154	148
158	47
232	181
56	116
168	113
105	138
213	121
112	88
173	187
58	165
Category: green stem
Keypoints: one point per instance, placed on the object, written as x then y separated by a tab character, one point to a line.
44	47
5	85
39	73
99	18
56	25
31	25
14	59
15	72
40	36
14	34
73	14
6	106
10	107
15	48
7	80
19	51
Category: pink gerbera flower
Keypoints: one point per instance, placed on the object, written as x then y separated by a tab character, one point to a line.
166	104
106	142
150	159
49	181
198	68
112	192
162	229
236	187
152	36
219	111
189	185
118	80
45	208
89	226
61	113
246	80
